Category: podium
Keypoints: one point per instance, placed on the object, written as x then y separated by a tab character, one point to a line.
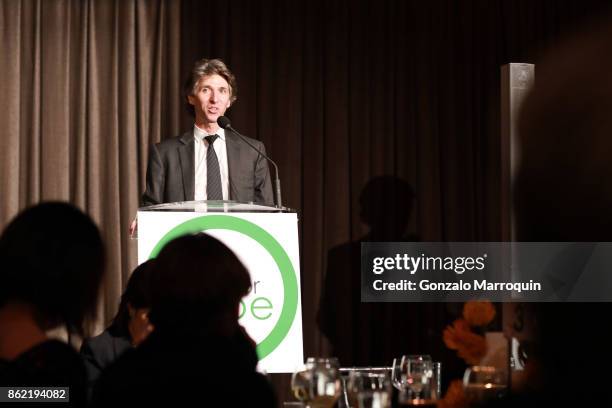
265	239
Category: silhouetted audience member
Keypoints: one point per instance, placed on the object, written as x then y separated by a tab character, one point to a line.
562	193
51	266
359	332
129	328
198	354
354	328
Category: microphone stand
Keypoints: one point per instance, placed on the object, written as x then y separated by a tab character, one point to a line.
277	183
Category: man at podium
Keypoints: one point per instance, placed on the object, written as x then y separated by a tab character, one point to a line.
208	162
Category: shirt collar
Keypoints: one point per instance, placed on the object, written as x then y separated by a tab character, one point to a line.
200	134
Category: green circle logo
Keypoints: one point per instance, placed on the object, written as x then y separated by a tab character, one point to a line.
270	244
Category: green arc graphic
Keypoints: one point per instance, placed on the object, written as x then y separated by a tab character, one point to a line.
270	244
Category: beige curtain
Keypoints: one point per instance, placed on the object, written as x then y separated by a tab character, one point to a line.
85	87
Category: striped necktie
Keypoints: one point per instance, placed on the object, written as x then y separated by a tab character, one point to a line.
213	173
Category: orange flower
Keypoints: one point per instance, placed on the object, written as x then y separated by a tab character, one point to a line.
470	347
478	313
451	333
454	397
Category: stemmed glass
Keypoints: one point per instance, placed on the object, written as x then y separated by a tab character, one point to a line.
412	376
318	385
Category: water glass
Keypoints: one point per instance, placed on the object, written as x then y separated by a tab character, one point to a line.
318	385
369	390
413	376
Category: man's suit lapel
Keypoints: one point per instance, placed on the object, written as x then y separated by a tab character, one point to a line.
233	161
186	156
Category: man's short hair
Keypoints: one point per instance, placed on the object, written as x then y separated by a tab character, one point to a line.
206	67
137	294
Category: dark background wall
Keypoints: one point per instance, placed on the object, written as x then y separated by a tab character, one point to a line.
345	92
384	117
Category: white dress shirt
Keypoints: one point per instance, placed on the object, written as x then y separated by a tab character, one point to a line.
201	149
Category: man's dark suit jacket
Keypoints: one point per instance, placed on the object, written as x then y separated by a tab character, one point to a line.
99	352
186	367
171	171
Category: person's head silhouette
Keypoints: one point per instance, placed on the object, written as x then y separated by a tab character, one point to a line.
52	259
197	285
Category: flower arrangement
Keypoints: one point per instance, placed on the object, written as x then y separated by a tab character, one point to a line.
466	336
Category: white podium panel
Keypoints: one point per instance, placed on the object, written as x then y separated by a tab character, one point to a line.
267	244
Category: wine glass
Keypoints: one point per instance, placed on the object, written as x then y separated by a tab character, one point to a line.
483	383
413	376
318	385
369	390
396	373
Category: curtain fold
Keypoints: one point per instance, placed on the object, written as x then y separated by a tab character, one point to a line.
86	86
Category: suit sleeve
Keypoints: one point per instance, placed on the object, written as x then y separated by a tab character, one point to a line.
92	366
156	178
263	182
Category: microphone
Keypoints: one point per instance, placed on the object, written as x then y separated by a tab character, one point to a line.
224	123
